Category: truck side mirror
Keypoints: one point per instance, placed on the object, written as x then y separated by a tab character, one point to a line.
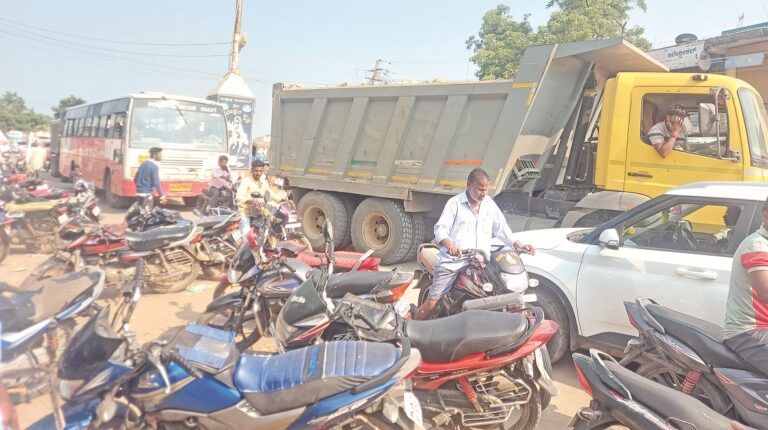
707	119
609	238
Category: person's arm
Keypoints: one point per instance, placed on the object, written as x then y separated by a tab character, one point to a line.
756	264
502	232
444	225
662	145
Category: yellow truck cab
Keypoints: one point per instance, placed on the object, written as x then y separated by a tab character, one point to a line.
636	167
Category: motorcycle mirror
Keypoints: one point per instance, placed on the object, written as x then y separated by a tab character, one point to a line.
328	231
256	195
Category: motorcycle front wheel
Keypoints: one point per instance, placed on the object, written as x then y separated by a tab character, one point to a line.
225	318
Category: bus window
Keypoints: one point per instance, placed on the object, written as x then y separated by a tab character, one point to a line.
107	125
117	128
100	130
87	127
79	126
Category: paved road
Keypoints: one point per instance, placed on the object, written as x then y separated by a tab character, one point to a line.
156	313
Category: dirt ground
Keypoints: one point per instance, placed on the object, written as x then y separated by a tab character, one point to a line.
156	313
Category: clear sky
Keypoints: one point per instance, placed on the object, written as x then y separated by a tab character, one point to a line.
50	49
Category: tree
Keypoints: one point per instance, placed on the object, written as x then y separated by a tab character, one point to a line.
499	46
15	115
68	102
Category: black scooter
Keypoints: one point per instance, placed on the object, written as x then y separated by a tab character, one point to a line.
622	397
688	354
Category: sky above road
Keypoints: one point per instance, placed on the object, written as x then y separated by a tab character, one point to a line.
106	49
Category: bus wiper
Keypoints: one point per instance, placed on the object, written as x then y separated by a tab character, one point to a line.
181	114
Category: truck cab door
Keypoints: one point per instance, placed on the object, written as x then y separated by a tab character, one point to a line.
650	174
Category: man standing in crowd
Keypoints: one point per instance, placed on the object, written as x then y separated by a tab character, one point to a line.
147	180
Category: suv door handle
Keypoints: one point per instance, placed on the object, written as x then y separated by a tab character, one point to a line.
697	274
640	175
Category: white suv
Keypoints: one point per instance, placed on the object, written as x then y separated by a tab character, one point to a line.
676	249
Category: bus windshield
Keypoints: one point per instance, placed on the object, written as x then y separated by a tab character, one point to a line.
177	124
756	123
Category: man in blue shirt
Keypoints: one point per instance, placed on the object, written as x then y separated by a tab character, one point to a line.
147	179
469	221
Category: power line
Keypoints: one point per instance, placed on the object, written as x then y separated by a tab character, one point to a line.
123	42
101	48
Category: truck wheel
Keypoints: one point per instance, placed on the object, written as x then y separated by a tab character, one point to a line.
349	207
383	226
317	206
113	200
553	309
419	233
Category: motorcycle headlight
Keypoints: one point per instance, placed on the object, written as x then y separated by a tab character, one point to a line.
515	283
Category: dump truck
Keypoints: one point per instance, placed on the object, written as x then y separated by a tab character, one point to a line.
565	144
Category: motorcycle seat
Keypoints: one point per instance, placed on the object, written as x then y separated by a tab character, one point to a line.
702	336
355	283
49	297
429	256
157	237
451	338
35	206
301	377
344	259
667	402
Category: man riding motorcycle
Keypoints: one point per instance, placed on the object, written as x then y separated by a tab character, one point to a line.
255	183
469	220
221	178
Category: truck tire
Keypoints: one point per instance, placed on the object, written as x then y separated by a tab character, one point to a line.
317	206
383	226
113	200
553	309
419	233
350	204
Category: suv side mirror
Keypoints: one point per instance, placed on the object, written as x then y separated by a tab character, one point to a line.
609	238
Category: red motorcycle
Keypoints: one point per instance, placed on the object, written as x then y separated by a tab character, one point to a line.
479	368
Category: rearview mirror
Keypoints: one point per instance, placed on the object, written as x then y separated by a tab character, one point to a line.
256	195
707	119
609	238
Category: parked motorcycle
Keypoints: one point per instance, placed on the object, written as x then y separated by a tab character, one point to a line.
621	397
37	323
197	379
167	249
489	277
214	201
480	368
266	282
688	354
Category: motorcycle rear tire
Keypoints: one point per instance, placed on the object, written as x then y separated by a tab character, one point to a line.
673	377
154	272
530	413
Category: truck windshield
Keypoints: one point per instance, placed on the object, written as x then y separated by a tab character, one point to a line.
756	123
177	124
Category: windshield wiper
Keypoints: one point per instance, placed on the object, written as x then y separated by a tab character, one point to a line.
181	114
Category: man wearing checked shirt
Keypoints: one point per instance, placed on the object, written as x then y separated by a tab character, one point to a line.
469	221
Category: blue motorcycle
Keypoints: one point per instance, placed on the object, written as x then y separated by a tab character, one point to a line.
194	377
36	325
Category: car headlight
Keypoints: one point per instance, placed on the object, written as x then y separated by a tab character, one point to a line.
515	283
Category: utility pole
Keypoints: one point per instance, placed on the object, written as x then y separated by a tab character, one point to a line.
378	73
238	40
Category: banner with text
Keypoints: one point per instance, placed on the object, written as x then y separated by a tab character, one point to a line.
239	113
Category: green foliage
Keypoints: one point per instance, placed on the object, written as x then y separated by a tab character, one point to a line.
499	46
15	115
64	103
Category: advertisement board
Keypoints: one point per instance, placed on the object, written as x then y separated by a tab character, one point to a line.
239	114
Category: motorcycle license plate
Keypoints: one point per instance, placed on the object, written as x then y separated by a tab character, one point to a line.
96	211
63	218
413	408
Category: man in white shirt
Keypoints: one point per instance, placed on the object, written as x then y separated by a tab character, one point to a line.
469	220
672	133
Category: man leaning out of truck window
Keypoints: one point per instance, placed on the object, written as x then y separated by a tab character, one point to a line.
672	133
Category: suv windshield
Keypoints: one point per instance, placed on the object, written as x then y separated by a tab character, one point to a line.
755	122
177	124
